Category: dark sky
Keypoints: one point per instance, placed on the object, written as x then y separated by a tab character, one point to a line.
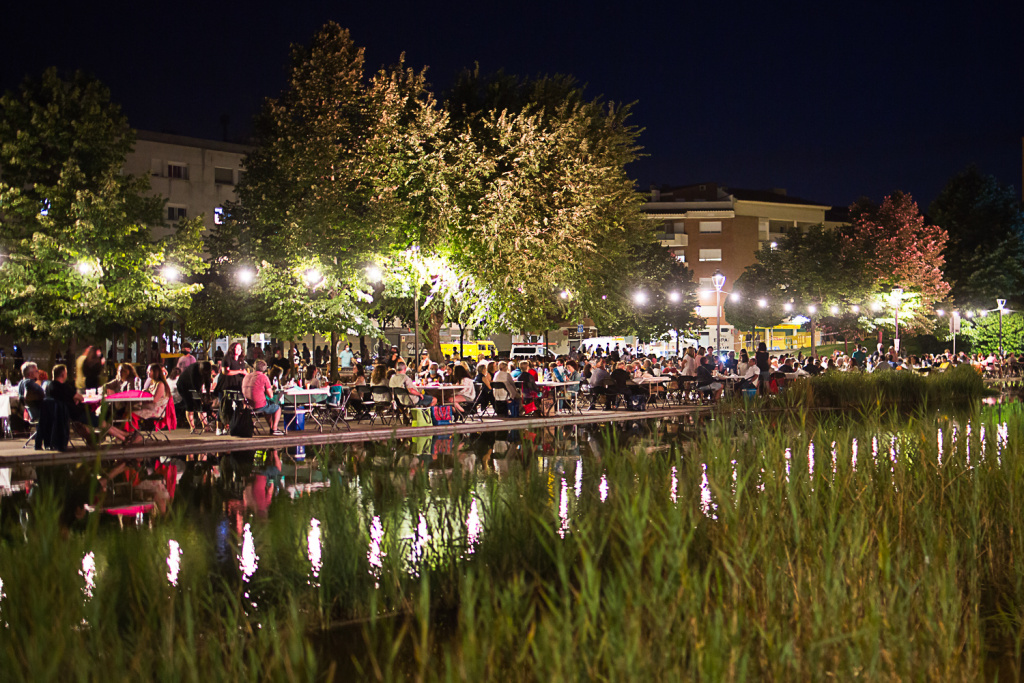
829	100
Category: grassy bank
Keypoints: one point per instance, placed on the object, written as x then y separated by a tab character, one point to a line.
868	392
757	552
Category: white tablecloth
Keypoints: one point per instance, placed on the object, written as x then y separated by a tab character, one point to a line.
5	405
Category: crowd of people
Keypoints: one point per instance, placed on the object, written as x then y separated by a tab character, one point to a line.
196	386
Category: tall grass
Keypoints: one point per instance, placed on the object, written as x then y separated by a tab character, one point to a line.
958	387
745	554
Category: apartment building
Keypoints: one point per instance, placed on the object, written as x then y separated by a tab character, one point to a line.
712	228
195	176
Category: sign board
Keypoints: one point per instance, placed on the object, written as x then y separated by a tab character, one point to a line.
954	323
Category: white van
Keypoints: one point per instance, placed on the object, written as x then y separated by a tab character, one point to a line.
521	351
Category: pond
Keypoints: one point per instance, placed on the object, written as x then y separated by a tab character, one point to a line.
690	547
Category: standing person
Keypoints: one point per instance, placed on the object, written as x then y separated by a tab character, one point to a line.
91	363
318	356
257	390
233	368
345	357
764	366
186	358
218	355
305	352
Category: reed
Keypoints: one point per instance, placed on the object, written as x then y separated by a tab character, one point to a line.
879	548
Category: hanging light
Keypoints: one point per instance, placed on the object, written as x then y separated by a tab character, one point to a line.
940	312
787	307
734	297
564	294
313	277
834	310
673	297
84	267
169	273
812	309
373	273
640	298
762	303
855	309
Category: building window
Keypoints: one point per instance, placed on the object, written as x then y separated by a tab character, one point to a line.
710	254
218	215
707	311
224	176
179	171
706	284
711	226
176	213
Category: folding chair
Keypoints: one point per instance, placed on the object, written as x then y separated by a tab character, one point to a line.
383	404
337	405
470	410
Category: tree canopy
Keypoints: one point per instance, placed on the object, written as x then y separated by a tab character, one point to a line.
77	254
985	252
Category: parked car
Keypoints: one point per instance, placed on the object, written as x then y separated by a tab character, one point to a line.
521	351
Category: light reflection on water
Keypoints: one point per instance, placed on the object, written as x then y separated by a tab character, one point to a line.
474	527
173	561
314	548
88	572
375	556
602	488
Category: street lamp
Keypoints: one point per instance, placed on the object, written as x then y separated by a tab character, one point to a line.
718	280
897	293
170	273
373	273
313	277
245	276
640	298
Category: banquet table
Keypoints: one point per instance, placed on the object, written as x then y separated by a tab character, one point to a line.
440	388
304	397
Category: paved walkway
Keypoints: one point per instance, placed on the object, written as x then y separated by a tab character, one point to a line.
182	443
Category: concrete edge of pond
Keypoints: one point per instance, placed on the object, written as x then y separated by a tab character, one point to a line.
183	443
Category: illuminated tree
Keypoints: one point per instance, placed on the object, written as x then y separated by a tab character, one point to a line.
902	253
983	333
77	254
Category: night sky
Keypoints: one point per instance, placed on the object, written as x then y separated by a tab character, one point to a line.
829	100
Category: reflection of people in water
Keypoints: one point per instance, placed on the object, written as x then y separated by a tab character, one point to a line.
259	492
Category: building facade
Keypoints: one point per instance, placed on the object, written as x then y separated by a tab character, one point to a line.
195	176
712	228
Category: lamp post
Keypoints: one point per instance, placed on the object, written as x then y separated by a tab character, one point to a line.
1000	303
897	294
718	280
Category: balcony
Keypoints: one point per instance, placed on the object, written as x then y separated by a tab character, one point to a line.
674	240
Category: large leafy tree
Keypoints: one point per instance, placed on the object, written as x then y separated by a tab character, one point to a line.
902	252
758	301
985	252
983	332
74	230
547	206
323	193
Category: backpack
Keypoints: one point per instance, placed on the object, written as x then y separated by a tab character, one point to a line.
241	424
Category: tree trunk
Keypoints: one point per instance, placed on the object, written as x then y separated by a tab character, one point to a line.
462	335
435	322
334	356
814	345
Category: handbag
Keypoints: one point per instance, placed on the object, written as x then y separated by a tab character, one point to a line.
241	424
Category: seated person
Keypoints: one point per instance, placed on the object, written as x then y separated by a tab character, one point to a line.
126	380
64	394
259	393
314	380
706	381
618	382
467	394
30	393
416	398
749	378
156	409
